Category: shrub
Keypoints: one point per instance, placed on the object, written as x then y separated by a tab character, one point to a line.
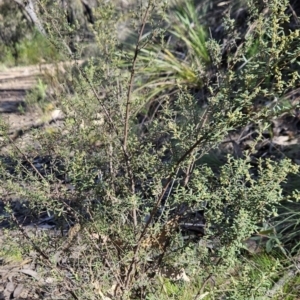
141	201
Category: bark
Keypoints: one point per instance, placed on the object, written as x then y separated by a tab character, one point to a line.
86	8
28	7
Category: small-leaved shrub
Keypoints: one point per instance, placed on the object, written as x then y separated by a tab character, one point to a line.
140	200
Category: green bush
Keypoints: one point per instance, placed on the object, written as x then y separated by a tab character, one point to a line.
131	187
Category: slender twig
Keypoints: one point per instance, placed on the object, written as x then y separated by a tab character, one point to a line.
131	268
130	84
24	233
130	87
57	31
112	124
28	161
206	281
68	207
117	277
296	18
128	102
38	249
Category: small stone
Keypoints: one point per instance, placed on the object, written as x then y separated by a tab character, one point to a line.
252	246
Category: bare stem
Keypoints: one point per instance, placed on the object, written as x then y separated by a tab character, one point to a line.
128	103
173	173
130	84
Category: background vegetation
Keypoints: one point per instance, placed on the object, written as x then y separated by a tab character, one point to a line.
174	173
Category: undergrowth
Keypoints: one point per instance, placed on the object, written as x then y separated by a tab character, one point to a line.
152	212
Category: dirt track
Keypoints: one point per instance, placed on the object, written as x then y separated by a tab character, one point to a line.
15	83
